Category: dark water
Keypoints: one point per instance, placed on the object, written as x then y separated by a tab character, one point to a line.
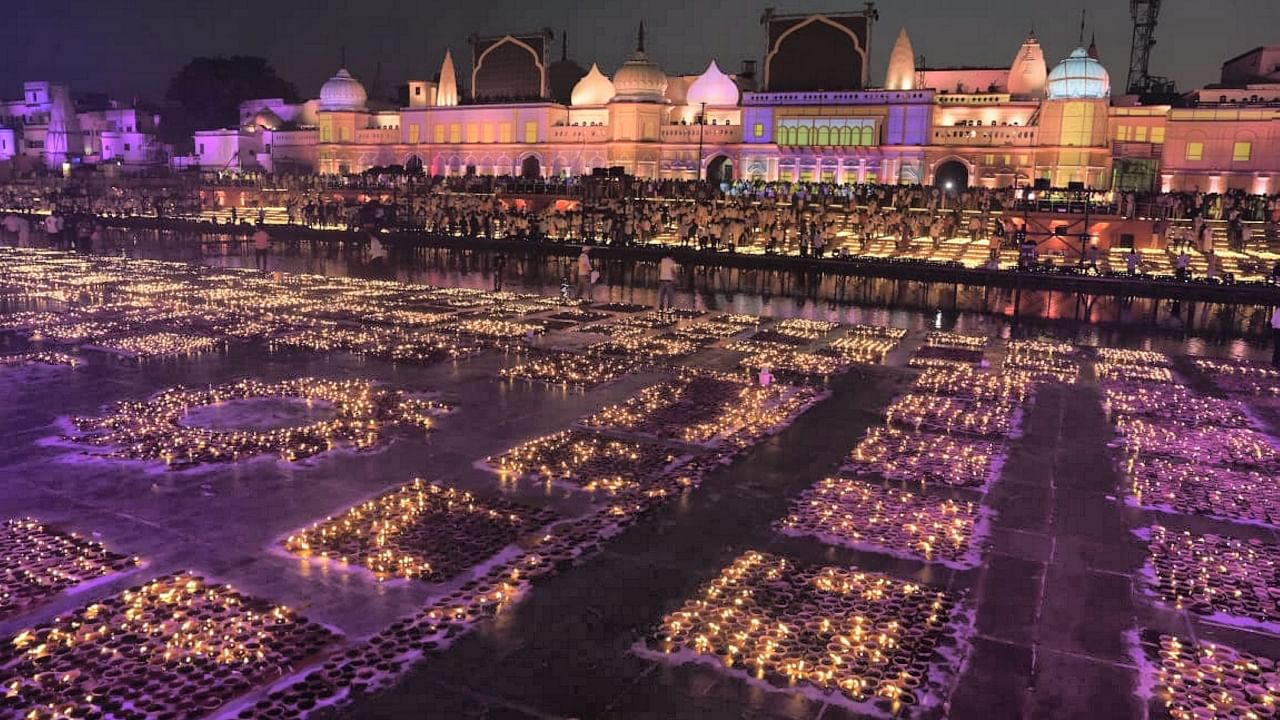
1161	324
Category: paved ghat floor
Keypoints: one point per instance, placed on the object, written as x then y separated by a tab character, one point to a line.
1057	614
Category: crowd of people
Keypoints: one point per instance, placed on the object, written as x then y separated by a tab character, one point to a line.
805	219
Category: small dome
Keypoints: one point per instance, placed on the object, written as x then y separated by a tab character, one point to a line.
343	92
1079	77
593	89
713	88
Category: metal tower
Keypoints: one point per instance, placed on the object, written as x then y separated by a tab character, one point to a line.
1145	14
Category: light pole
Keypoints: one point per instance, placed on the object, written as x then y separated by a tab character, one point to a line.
702	126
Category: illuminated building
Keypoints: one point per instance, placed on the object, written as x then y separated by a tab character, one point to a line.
48	127
815	116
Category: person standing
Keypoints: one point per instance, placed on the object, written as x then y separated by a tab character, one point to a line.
499	266
261	246
584	275
377	256
1275	337
666	281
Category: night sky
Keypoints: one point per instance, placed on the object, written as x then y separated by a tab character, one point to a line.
130	49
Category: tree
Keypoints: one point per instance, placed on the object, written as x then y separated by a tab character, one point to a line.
206	94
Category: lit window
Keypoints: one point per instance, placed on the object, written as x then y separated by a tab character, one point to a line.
439	133
1122	133
758	130
455	133
473	133
489	132
504	132
1141	135
414	134
1195	150
1242	152
531	132
1157	135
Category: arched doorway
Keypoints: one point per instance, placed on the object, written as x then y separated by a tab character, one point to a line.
951	175
530	168
720	170
413	165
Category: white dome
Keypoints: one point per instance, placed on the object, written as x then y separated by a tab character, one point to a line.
1079	77
343	92
593	89
713	88
639	79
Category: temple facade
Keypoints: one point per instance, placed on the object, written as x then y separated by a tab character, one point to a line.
815	112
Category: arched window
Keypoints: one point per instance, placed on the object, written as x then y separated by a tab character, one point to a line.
824	136
802	136
867	136
847	136
784	135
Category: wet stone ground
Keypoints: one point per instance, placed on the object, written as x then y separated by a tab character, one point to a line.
1065	606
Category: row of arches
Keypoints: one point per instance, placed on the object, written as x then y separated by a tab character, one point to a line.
822	135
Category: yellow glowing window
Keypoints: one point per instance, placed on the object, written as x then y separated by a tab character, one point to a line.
439	133
473	133
504	132
414	131
758	130
531	132
1077	124
488	132
1195	150
344	133
1122	133
1242	152
455	133
1157	135
1141	134
325	134
991	160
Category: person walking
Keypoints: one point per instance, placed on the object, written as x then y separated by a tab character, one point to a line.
261	246
666	281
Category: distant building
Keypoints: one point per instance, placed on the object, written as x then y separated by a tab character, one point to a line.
818	117
46	128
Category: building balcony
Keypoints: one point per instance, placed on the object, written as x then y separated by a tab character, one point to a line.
1135	150
985	136
852	97
709	134
579	134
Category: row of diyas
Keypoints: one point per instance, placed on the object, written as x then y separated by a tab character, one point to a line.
864	635
154	429
38	562
418	531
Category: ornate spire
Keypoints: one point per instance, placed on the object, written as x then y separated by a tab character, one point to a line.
1093	46
1083	13
447	90
564	45
640	38
901	74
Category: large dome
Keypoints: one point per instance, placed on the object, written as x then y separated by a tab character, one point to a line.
593	89
343	92
1079	77
713	88
640	79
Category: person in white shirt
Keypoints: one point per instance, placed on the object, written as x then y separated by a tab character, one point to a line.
1275	337
584	275
666	282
